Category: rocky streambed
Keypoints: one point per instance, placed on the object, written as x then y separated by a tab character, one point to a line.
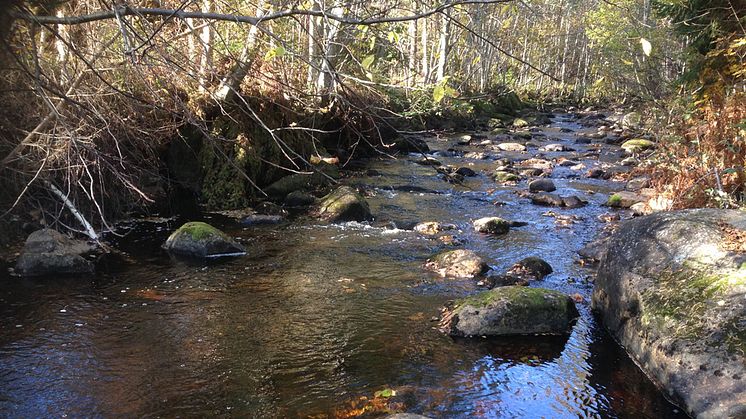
368	301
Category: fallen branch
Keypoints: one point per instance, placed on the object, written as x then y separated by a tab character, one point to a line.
90	232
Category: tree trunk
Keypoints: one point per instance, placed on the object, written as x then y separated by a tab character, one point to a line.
205	39
327	82
443	47
230	85
425	59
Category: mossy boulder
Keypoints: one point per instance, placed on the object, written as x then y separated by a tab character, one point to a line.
344	204
520	123
503	176
670	288
512	310
491	225
458	263
48	252
198	239
637	145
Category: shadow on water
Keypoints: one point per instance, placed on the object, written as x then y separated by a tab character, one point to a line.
316	316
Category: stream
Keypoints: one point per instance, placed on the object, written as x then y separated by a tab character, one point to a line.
317	316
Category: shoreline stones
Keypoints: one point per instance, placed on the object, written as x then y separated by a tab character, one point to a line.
198	239
458	263
344	204
511	310
49	252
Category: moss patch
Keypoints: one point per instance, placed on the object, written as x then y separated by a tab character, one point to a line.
680	302
614	200
198	230
524	296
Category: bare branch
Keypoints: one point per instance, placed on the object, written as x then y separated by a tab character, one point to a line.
252	20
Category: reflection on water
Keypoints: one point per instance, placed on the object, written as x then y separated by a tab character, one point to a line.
314	317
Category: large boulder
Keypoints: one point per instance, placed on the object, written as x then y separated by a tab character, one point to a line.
457	264
512	310
344	204
198	239
671	290
48	252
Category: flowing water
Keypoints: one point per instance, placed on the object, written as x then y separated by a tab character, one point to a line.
317	316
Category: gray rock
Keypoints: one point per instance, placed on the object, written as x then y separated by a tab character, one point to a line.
573	202
492	225
512	310
299	199
344	204
458	263
48	252
541	185
516	147
198	239
637	183
672	293
406	416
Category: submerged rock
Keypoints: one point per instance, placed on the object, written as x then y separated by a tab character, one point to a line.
457	264
532	267
48	252
671	290
344	204
512	310
541	185
198	239
406	416
492	225
547	199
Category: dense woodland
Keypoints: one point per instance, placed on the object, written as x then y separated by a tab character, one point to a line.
95	94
